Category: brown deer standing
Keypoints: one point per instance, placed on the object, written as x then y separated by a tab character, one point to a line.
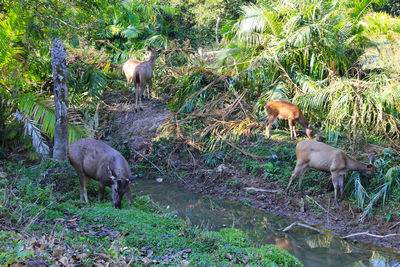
320	156
140	74
284	110
97	160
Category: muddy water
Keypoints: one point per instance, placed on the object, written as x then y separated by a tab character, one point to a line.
311	248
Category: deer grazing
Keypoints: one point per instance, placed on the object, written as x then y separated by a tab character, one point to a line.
326	158
285	110
140	74
97	160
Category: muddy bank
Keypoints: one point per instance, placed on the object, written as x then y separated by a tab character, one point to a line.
138	130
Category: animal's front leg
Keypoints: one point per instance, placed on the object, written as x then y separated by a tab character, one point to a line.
101	191
129	195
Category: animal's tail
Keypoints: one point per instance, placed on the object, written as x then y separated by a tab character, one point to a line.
137	78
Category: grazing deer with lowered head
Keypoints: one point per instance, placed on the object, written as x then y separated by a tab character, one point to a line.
285	110
140	74
97	160
320	156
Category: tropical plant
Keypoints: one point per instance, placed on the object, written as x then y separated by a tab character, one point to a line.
307	51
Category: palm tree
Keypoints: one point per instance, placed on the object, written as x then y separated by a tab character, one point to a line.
307	51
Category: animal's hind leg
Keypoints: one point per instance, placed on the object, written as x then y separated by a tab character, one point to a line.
137	96
83	180
141	89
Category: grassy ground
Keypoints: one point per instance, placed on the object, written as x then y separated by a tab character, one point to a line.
43	222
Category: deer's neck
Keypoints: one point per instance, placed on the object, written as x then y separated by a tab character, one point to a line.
302	121
152	61
355	165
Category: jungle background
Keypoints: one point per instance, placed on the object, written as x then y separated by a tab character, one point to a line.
221	62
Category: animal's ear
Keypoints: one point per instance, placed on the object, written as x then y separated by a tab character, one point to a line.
149	49
371	158
132	177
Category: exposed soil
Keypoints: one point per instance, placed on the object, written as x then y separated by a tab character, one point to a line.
139	129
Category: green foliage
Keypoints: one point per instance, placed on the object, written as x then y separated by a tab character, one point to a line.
14	250
91	228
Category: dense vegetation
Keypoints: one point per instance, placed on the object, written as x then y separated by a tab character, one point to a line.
335	59
65	232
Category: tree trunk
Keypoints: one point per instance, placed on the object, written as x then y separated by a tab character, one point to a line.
217	26
61	100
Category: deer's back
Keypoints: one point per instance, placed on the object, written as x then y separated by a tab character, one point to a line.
93	157
129	67
319	155
283	109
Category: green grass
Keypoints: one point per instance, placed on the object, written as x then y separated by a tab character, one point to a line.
54	227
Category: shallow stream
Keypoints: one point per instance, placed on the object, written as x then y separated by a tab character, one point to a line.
311	248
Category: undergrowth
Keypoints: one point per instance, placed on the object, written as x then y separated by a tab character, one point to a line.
43	222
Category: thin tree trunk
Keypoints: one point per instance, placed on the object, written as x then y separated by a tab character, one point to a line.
217	26
61	100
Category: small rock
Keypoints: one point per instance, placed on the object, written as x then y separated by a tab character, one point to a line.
228	256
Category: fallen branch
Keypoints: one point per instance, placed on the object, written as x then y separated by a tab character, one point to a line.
107	42
394	225
149	161
179	50
302	225
63	22
260	190
368	234
202	90
240	149
320	206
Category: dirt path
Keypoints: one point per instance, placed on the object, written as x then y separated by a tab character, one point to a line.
139	129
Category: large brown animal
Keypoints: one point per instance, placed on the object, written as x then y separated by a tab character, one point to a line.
140	74
284	110
323	157
97	160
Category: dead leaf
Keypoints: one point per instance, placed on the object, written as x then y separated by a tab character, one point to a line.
228	256
81	256
57	253
185	263
146	260
63	260
187	250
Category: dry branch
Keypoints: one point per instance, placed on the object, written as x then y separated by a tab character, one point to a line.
240	149
203	89
368	234
144	157
394	225
302	225
260	190
320	206
180	50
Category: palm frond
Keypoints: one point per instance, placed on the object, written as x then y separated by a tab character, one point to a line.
31	129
